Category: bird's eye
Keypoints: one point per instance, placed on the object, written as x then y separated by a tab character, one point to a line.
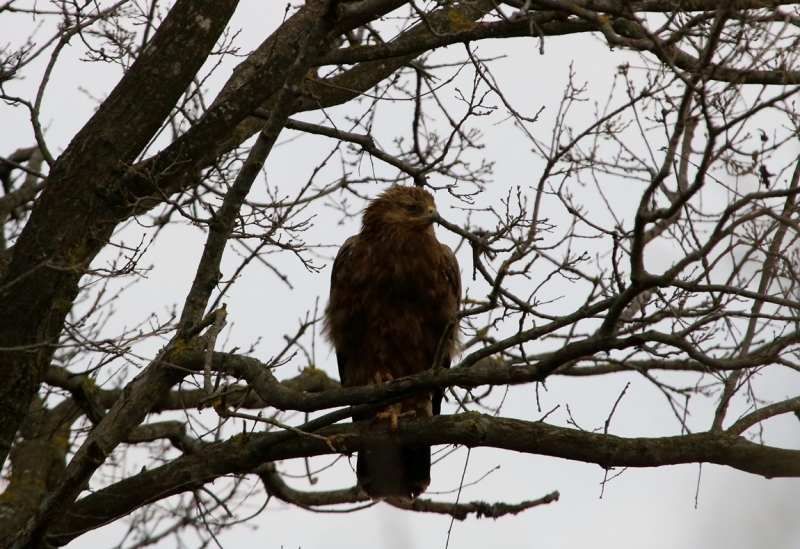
412	208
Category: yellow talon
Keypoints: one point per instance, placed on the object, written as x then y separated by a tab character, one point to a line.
330	440
393	417
380	378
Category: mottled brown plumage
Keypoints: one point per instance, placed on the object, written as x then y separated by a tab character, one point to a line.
394	289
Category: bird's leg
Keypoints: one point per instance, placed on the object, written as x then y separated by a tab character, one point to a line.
380	378
392	412
408	413
393	415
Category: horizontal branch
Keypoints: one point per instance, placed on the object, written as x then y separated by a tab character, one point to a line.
603	368
244	453
306	499
471	372
85	392
790	405
365	141
550	23
310	499
633	35
174	431
669	6
480	509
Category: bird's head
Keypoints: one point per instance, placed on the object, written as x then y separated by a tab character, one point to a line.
398	206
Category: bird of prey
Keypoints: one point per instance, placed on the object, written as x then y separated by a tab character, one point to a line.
394	291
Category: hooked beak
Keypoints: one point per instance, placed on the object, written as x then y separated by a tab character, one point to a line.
433	215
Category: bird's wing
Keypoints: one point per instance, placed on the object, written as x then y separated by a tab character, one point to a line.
453	275
341	272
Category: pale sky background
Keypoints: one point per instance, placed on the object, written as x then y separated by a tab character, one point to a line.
645	508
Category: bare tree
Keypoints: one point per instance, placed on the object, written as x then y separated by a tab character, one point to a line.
693	269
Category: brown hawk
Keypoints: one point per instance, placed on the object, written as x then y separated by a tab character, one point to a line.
394	290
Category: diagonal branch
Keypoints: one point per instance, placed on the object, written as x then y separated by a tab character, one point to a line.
76	213
138	397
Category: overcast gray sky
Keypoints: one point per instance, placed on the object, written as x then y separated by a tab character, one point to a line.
649	508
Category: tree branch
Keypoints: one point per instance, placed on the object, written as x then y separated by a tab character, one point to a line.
242	454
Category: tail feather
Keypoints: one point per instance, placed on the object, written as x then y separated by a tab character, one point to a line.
392	470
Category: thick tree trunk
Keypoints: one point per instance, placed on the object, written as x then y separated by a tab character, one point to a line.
80	205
